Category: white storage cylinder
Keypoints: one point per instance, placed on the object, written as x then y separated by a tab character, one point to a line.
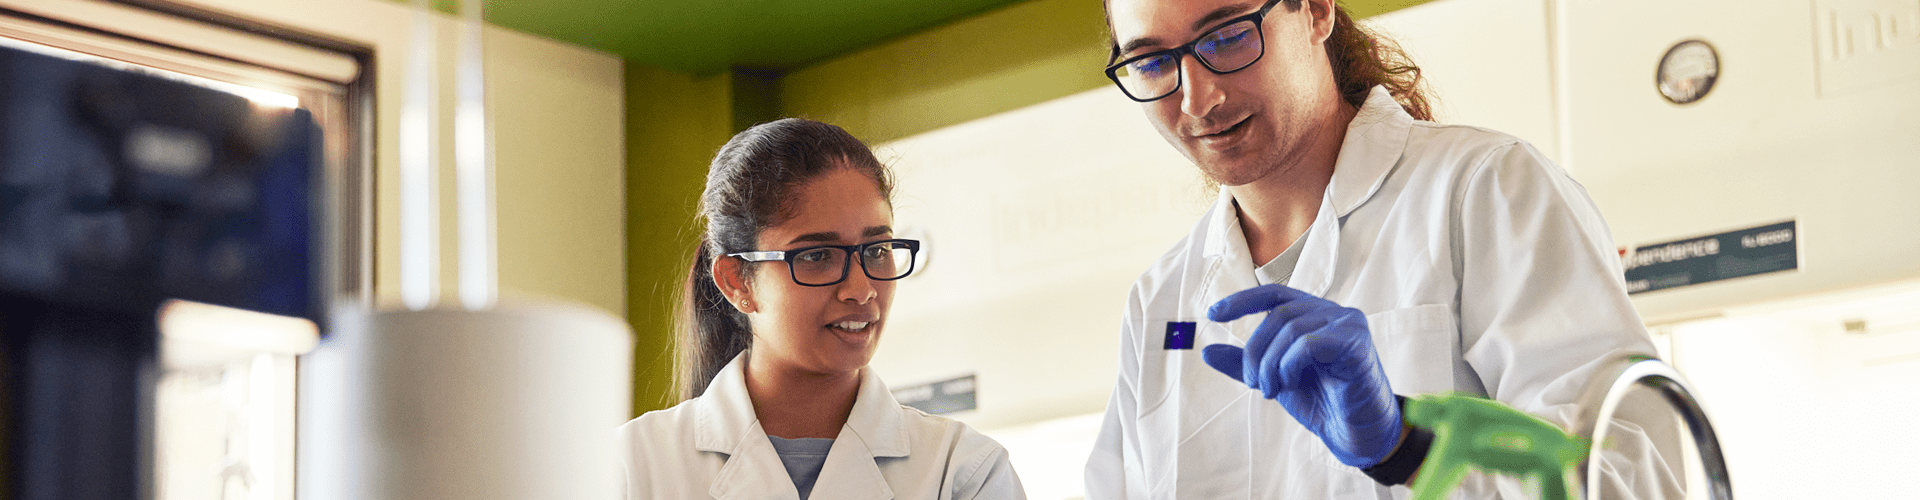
517	402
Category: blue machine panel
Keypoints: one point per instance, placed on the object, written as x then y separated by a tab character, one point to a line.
120	189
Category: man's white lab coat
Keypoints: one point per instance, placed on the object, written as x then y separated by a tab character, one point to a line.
1482	268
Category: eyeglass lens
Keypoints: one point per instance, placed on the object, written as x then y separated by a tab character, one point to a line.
826	265
1229	48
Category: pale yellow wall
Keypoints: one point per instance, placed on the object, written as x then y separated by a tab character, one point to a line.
560	159
560	148
1003	60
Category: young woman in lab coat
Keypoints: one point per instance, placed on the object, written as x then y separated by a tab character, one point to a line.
786	302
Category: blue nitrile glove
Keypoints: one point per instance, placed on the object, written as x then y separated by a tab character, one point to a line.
1317	360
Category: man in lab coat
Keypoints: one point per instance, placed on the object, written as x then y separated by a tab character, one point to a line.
1384	254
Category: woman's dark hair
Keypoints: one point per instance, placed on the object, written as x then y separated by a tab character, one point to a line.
749	188
1361	60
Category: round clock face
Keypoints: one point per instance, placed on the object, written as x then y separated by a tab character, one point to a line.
1688	71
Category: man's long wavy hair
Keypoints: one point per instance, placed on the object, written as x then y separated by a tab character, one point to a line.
1361	60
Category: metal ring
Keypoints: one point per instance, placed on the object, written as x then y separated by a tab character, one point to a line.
1650	372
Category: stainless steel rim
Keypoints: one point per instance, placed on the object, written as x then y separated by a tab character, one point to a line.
1657	375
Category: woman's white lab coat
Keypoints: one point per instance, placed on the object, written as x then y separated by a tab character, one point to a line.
1482	268
713	446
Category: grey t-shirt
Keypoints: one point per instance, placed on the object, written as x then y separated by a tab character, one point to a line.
803	459
1280	269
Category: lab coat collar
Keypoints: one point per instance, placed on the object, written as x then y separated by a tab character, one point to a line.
1230	264
877	419
727	424
754	470
849	472
1376	138
724	415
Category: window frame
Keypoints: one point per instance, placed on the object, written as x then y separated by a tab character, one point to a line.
333	78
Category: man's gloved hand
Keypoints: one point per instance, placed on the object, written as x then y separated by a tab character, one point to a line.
1317	360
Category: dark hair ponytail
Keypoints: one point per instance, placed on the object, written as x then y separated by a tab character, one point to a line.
748	190
713	331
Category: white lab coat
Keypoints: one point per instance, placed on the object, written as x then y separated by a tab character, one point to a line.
713	446
1482	268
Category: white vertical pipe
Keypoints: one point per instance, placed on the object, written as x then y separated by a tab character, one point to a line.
419	200
473	161
261	425
1560	78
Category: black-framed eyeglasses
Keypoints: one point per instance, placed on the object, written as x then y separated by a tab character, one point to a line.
824	265
1229	47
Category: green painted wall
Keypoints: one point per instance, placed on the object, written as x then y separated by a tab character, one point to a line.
674	124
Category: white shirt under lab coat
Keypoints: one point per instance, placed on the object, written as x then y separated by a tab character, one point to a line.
713	446
1482	268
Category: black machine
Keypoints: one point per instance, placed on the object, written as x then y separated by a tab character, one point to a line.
121	189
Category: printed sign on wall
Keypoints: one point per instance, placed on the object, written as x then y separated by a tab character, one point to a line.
1704	259
946	396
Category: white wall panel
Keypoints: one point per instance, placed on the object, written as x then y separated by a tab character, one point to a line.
1039	220
1803	124
1486	61
1812	397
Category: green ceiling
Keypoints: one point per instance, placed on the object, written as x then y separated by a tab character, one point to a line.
706	36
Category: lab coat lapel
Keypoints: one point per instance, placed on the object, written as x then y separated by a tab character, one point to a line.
875	429
851	472
1229	266
1375	141
725	423
1314	272
724	415
754	471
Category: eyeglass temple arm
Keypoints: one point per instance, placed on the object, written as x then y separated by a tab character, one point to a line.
759	256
